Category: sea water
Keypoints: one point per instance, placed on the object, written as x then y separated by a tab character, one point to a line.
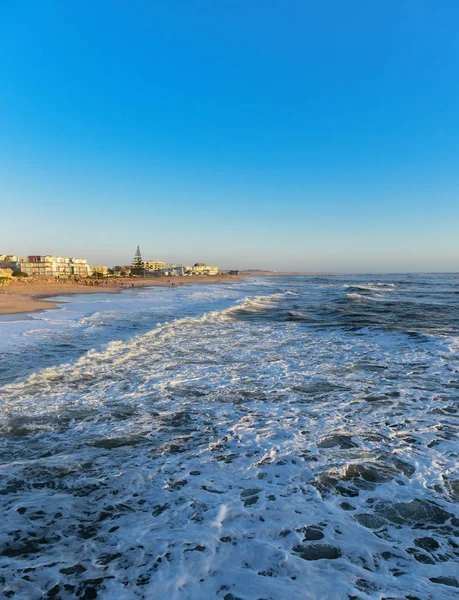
282	437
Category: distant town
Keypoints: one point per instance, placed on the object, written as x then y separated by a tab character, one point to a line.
49	266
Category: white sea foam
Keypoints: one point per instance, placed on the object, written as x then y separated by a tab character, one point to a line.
231	455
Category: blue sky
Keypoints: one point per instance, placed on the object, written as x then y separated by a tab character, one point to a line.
282	135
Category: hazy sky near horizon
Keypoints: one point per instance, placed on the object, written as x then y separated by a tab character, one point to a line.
293	135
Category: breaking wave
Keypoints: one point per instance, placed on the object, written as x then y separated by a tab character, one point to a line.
250	445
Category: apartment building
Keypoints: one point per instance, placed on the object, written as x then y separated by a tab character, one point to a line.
38	265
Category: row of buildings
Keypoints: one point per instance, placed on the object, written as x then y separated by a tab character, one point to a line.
50	266
59	266
163	269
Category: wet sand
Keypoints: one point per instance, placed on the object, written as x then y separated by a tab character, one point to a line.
28	296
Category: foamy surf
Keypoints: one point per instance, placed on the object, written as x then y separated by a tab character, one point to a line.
237	453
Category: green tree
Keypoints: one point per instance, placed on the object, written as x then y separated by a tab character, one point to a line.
137	263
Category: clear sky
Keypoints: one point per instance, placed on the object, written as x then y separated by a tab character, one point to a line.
305	135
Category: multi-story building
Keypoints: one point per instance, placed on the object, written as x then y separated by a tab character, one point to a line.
80	267
55	266
8	261
49	266
102	269
169	270
153	265
203	269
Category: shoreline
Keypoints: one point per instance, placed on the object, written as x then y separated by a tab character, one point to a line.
21	297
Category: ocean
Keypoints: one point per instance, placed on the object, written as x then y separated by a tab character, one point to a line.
277	438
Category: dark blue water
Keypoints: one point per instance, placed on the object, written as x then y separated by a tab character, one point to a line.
286	436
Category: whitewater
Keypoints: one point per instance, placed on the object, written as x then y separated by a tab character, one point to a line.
283	437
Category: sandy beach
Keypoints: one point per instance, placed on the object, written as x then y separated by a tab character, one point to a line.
26	296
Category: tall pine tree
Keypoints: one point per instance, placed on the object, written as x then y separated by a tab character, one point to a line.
137	263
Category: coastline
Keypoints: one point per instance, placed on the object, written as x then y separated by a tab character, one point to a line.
19	297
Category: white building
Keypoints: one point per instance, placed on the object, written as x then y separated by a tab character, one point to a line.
203	269
47	265
173	270
151	266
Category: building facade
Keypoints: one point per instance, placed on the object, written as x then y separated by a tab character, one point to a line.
38	265
173	270
168	270
102	269
8	261
203	269
153	265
